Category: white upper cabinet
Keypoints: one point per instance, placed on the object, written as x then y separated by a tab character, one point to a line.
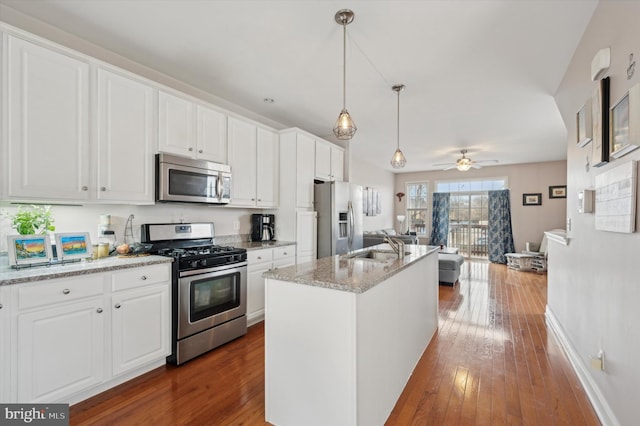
211	134
57	150
48	123
268	170
176	125
253	157
126	135
305	167
329	161
191	129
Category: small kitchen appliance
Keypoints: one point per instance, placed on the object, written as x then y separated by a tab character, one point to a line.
262	227
209	287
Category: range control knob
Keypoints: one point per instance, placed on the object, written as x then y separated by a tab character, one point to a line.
194	263
203	263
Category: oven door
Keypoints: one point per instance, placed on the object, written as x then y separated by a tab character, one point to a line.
209	297
190	184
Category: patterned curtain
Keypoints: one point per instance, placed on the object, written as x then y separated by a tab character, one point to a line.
440	218
500	236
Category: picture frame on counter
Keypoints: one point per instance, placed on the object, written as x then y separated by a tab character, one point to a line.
624	123
584	124
27	250
532	199
73	246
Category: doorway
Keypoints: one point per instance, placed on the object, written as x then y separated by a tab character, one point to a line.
468	220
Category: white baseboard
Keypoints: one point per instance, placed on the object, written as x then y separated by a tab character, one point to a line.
600	405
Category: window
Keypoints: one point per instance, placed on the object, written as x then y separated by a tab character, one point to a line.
417	207
471	185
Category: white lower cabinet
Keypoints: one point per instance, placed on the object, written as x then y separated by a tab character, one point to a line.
259	262
140	320
71	338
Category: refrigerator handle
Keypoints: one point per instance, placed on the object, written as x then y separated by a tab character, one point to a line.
350	225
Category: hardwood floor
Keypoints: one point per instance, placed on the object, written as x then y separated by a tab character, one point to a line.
492	361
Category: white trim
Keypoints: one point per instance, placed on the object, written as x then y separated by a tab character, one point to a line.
600	405
559	236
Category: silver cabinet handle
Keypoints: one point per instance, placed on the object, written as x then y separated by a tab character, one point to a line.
66	291
117	306
200	151
102	188
285	253
190	149
259	258
85	188
143	278
99	310
0	305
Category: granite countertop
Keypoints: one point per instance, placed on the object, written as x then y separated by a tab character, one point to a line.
9	275
255	245
355	275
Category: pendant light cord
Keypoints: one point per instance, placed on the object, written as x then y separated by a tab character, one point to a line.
344	65
398	121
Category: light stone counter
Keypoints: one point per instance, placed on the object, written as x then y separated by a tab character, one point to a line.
355	275
257	245
9	275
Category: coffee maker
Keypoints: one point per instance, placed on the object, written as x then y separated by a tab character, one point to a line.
262	227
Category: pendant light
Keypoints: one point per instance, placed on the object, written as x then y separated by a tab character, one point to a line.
398	161
345	128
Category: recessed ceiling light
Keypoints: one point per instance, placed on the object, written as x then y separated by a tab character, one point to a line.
268	100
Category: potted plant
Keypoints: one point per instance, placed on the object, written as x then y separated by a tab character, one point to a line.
33	220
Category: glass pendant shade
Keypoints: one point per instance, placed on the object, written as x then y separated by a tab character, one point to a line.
398	161
345	128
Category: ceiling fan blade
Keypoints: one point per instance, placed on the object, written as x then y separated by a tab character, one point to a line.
486	161
453	166
443	164
476	166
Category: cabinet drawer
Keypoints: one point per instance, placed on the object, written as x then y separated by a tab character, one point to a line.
258	256
137	277
60	290
284	252
282	263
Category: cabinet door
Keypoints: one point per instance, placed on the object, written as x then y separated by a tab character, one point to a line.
126	137
255	292
176	125
306	232
323	160
141	330
305	170
268	170
211	135
242	159
48	125
61	350
337	164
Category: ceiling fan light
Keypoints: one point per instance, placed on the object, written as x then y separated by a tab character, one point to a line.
463	164
398	160
345	128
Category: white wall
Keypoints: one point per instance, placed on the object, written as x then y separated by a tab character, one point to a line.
528	222
593	282
368	175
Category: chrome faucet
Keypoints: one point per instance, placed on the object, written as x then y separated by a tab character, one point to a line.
396	244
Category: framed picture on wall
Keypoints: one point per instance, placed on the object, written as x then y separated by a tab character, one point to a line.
584	124
532	199
600	120
624	125
559	191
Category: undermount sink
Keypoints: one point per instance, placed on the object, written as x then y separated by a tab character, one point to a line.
375	254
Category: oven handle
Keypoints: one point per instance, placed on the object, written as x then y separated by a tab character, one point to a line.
209	270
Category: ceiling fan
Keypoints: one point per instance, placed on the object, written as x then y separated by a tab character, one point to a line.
464	163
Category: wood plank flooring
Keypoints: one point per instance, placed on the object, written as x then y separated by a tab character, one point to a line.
492	362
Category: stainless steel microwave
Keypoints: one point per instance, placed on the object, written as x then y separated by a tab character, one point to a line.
184	180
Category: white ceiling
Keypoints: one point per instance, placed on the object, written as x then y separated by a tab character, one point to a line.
479	75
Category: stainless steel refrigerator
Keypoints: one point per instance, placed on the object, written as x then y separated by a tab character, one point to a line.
339	207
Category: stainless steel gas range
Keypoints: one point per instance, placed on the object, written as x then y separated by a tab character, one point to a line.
209	287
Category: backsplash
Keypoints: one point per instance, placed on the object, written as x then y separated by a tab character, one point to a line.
231	224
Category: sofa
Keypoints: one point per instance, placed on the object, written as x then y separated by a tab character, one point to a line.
372	238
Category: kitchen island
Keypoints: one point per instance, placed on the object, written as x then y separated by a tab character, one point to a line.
344	333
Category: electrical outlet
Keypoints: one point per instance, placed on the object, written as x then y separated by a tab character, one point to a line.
597	361
236	225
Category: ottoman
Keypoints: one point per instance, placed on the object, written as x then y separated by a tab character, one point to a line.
449	268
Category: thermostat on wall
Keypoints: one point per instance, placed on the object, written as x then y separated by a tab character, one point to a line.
585	201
